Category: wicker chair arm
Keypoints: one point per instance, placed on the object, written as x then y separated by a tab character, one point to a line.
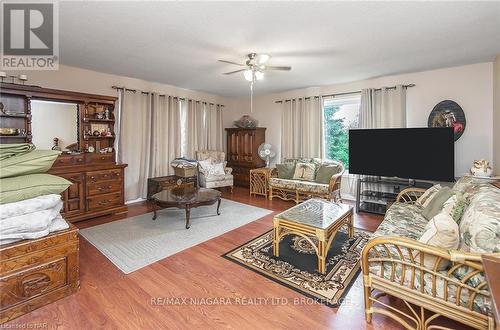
384	256
336	180
410	195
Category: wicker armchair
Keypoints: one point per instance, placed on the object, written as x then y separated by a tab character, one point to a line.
394	265
298	191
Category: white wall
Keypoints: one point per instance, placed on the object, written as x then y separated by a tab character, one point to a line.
471	86
496	116
53	119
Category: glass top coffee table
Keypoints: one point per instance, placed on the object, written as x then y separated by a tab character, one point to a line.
186	197
313	218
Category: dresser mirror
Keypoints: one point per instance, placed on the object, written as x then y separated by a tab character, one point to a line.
54	125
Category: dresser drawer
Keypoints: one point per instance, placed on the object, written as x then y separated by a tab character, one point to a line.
105	175
69	160
103	187
106	201
97	158
26	284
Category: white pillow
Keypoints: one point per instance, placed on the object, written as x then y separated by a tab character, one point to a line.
304	171
441	231
204	166
218	169
208	168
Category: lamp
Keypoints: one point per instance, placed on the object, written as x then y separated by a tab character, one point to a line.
262	58
252	75
248	74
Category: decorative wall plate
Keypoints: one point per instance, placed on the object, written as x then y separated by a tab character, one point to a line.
448	113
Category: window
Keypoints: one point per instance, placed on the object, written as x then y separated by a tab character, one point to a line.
340	114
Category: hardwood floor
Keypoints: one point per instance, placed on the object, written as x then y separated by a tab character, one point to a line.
112	300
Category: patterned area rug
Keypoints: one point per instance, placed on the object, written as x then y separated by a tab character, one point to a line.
297	265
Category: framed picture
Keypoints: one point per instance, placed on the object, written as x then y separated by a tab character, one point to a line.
448	113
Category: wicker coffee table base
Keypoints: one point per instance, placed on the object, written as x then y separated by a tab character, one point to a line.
325	237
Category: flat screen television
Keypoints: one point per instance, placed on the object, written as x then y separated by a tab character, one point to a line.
409	153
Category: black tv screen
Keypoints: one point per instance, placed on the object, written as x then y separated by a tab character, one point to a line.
410	153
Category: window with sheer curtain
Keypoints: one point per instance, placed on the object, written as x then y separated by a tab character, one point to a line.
340	113
201	127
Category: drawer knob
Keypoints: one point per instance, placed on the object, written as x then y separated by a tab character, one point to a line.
104	202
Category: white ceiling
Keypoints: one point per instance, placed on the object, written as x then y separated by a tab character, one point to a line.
179	43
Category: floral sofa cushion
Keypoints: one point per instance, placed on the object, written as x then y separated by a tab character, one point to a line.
404	220
480	224
308	186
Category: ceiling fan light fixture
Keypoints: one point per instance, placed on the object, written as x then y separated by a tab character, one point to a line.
262	58
248	74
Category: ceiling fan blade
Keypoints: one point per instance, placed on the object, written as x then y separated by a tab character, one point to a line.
235	71
280	68
229	62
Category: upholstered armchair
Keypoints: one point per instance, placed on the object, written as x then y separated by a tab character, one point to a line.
210	174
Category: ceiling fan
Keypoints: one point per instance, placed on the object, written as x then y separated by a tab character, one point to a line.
255	66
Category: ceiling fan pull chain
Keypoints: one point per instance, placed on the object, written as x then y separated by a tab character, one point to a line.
251	97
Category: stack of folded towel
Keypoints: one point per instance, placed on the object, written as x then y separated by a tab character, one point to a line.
30	201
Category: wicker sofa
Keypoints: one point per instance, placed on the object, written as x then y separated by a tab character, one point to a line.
394	263
299	190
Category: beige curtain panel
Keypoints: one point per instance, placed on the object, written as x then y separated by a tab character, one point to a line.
154	129
195	135
135	141
215	129
302	128
166	134
383	108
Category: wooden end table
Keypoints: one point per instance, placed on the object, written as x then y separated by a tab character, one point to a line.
186	198
160	183
259	181
313	218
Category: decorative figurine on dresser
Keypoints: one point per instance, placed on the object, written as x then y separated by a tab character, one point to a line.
88	158
242	152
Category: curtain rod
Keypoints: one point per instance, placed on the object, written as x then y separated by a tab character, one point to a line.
345	93
163	95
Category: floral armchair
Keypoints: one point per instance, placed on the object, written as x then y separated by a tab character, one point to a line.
209	177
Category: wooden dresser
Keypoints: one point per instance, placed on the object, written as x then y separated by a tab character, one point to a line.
37	272
98	181
97	189
242	146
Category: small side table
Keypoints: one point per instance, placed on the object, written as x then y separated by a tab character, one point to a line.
259	181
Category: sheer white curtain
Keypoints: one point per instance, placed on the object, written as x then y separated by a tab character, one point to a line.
383	108
134	141
166	134
302	128
215	129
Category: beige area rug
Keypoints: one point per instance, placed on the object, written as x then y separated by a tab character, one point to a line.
136	242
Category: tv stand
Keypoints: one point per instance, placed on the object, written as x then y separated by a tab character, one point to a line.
376	194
